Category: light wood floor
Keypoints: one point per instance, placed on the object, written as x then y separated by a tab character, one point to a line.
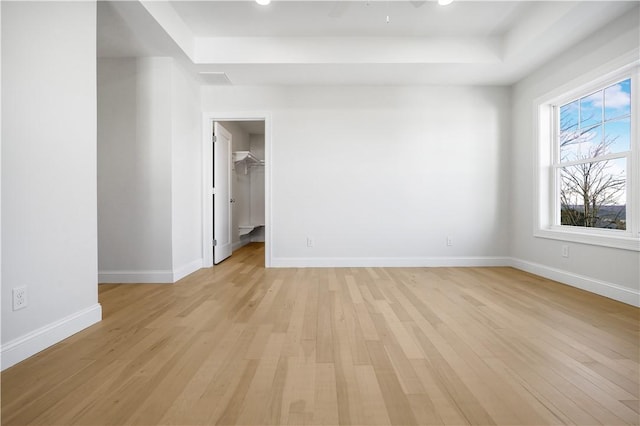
238	344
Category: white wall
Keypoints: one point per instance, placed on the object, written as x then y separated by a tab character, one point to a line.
186	186
49	236
134	168
382	175
0	185
149	170
257	189
613	272
256	145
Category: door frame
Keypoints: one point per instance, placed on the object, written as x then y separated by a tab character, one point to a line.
208	118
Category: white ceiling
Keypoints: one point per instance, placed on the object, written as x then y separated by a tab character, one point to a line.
350	42
347	18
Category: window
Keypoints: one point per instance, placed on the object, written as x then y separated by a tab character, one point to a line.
588	177
592	154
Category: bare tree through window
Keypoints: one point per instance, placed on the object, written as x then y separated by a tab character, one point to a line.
594	138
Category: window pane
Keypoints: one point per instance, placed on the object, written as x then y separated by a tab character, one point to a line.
569	130
581	144
591	110
617	100
569	117
594	194
618	135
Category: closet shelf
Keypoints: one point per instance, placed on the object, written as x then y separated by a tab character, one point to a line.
246	229
246	159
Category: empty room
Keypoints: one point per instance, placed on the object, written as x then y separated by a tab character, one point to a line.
256	212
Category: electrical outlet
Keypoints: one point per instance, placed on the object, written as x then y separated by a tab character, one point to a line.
309	242
449	241
19	298
565	251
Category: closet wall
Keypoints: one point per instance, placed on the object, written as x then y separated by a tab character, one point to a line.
256	189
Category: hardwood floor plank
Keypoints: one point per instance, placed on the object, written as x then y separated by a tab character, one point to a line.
625	382
403	368
262	336
365	322
454	376
326	396
354	289
324	335
354	335
348	394
298	396
74	402
257	396
374	411
443	403
190	406
400	334
273	414
183	368
424	410
295	328
232	410
396	401
310	325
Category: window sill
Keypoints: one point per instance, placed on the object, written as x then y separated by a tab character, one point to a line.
620	241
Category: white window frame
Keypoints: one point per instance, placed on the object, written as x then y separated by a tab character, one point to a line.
546	176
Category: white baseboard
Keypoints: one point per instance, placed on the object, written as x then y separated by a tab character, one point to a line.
31	343
387	262
603	288
149	277
243	242
187	269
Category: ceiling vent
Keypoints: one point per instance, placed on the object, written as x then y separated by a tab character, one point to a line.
215	78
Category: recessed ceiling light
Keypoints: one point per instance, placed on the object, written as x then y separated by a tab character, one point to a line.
263	2
444	2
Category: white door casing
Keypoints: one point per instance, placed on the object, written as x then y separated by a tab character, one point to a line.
221	194
208	120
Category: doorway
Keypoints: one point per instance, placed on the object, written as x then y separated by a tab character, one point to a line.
236	192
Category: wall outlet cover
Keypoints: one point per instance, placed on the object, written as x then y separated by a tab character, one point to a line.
19	298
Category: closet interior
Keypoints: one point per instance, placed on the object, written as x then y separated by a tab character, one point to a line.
247	182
